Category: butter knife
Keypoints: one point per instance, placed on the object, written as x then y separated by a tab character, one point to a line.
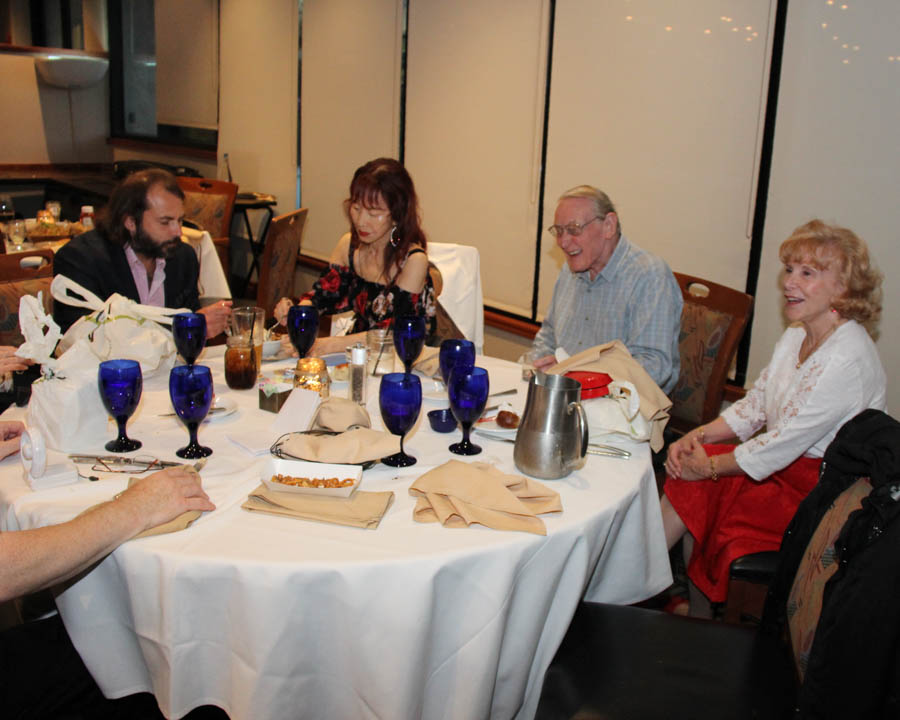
212	411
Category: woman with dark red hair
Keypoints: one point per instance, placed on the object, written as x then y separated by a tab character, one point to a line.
379	269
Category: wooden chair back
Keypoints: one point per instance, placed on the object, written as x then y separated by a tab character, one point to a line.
712	324
279	259
209	204
26	265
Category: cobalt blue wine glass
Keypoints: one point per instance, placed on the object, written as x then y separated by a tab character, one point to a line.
400	399
189	333
468	390
120	383
191	390
409	338
302	325
455	353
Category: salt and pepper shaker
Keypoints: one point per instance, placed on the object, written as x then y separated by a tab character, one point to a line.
358	358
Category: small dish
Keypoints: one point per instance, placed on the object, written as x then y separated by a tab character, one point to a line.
339	373
313	471
270	348
442	421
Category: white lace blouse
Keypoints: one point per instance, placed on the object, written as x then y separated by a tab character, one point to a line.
803	408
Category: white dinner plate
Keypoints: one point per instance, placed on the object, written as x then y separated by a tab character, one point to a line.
491	428
227	407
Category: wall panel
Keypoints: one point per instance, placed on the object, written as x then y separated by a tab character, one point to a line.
350	111
837	152
475	91
660	104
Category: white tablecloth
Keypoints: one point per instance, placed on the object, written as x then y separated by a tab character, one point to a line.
271	617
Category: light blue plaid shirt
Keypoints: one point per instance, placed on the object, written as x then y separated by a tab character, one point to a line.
635	299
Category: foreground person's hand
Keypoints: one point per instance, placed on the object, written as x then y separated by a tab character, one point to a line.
10	362
10	432
217	317
166	494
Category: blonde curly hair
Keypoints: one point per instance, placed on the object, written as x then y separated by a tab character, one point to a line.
827	246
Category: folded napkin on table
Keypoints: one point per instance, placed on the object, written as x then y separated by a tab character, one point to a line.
339	414
353	446
457	494
614	359
428	362
362	509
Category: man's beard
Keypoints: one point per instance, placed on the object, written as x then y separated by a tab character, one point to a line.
144	245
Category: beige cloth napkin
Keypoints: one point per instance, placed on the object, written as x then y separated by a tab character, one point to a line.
362	509
428	362
339	414
353	446
457	494
614	359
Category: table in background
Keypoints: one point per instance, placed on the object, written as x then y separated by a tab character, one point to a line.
211	281
272	617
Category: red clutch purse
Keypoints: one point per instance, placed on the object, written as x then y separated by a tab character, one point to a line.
593	384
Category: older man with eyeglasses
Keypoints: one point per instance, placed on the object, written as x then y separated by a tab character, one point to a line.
609	290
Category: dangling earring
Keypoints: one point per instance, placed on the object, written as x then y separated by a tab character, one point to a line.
394	240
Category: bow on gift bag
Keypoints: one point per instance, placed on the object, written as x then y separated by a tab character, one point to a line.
118	327
65	403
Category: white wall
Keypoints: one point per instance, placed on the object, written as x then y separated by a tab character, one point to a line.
351	105
837	152
258	96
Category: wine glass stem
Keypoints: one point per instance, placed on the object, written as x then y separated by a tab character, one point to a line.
401	444
121	420
466	427
192	431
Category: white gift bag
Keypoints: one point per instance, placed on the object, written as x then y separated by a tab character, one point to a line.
65	403
617	414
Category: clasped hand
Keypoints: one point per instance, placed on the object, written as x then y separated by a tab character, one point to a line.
687	459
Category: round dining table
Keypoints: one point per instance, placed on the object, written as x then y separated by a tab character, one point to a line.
272	617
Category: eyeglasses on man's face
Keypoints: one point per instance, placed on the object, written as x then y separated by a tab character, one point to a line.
573	228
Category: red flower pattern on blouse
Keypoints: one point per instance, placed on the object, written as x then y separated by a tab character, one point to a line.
331	281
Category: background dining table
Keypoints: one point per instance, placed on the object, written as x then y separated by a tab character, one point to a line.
272	617
211	281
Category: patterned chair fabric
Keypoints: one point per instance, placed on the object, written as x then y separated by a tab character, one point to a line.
712	323
699	342
209	204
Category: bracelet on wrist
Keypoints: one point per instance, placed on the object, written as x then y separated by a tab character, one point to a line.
713	473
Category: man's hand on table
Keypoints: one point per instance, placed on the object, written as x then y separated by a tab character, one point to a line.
217	317
10	432
164	495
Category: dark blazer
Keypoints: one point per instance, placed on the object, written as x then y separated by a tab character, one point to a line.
100	266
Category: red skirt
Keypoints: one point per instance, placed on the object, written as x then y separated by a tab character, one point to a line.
737	516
